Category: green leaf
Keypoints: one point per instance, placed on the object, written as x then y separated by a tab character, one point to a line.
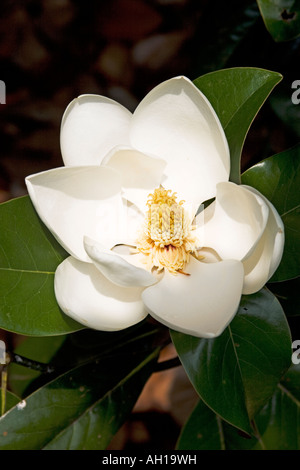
29	256
276	425
237	94
82	408
237	372
202	431
281	17
205	430
278	178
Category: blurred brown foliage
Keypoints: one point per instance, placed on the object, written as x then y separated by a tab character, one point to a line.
53	51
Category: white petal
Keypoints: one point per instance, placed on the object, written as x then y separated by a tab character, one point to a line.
85	295
201	304
91	126
265	259
140	173
208	255
126	271
176	122
133	222
78	201
236	222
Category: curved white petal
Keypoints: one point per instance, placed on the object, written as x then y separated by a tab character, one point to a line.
140	173
201	304
78	201
234	222
126	271
91	126
85	295
176	122
265	259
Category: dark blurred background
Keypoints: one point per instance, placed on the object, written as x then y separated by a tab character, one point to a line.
52	51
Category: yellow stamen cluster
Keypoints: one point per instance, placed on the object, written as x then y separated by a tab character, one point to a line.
166	239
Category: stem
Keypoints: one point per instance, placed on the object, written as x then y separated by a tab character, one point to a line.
164	365
3	390
49	369
31	364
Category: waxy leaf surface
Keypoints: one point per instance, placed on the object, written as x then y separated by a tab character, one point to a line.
236	373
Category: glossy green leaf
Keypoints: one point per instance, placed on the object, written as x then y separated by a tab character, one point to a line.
237	94
278	178
29	256
82	408
237	372
202	431
277	425
281	17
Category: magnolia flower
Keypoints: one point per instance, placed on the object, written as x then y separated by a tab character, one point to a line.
126	208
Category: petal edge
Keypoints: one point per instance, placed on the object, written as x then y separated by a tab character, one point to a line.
85	295
201	304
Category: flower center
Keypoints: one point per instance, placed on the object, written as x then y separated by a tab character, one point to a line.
166	238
